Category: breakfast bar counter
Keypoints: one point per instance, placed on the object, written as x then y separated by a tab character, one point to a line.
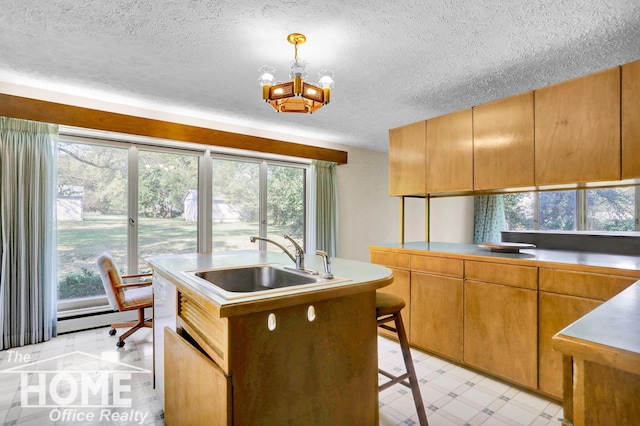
602	362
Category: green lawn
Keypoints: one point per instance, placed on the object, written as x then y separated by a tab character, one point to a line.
81	242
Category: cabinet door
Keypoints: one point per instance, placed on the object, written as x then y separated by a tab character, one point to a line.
556	311
450	152
577	130
501	331
197	390
503	143
436	314
631	120
407	160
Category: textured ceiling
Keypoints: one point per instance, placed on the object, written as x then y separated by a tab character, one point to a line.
395	62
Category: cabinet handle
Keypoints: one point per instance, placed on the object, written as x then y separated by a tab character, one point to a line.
271	322
311	313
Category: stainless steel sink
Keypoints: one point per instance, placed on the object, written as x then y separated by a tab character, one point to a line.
255	278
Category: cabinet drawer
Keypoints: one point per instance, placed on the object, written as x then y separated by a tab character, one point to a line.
437	265
583	284
390	259
511	275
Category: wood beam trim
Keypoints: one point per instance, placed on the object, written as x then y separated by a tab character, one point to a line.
51	112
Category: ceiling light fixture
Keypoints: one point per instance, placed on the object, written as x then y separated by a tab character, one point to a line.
296	95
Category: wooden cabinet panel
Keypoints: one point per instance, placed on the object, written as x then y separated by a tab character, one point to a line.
209	398
631	120
501	331
503	150
407	164
390	259
436	314
437	265
497	273
583	284
450	152
401	287
291	376
577	130
555	313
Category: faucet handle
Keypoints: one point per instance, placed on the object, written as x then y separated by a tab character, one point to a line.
295	244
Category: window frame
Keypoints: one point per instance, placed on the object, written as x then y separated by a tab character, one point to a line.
581	210
206	154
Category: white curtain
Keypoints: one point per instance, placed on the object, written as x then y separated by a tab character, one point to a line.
489	218
27	231
326	207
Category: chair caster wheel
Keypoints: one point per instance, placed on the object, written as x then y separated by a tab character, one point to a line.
120	344
112	332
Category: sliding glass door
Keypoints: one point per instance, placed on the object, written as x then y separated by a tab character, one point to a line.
92	217
137	201
235	212
167	204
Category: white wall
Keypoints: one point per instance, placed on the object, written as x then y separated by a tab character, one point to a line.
366	215
451	220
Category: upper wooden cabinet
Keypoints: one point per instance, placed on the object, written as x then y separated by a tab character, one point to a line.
577	130
450	152
631	120
407	160
503	143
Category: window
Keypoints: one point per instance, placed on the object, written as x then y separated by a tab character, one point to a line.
257	198
606	209
236	203
612	209
167	204
557	210
138	201
92	215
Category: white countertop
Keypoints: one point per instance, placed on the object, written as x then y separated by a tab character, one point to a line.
350	276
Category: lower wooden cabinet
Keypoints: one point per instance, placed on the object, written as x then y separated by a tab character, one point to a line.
500	331
556	311
209	399
399	263
565	296
436	314
498	317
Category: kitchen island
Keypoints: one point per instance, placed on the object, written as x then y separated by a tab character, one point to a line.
305	354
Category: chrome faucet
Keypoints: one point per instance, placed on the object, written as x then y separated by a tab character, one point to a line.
299	257
327	264
299	260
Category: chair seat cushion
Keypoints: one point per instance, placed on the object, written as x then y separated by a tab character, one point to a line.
138	296
388	303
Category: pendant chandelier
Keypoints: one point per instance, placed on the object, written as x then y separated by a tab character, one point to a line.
296	95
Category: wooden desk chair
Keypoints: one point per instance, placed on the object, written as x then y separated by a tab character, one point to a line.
125	296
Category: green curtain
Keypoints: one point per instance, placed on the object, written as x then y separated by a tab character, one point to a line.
489	218
326	207
27	231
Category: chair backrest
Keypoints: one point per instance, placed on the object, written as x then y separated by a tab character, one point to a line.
110	279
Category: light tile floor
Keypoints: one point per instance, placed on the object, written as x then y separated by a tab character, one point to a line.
452	395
